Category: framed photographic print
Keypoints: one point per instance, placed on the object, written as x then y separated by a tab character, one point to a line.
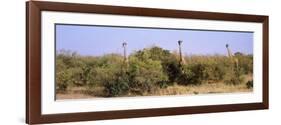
94	62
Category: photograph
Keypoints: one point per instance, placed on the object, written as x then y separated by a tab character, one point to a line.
101	61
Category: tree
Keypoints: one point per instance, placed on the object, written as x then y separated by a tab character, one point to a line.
146	71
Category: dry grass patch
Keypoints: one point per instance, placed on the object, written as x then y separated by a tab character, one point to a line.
205	88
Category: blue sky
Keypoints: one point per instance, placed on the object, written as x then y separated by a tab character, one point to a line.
100	40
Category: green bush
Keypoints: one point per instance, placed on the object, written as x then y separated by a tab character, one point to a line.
105	69
145	75
149	69
186	77
118	86
200	69
62	81
172	69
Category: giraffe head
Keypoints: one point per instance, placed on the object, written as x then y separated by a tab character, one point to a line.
124	44
179	42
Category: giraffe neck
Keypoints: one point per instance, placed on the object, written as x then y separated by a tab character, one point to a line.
229	53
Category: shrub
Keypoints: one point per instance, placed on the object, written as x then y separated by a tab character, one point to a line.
172	69
163	84
62	80
155	53
230	79
249	84
83	76
145	75
214	70
105	69
149	69
233	76
191	74
118	86
245	63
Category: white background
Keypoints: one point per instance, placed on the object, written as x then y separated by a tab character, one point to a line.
12	63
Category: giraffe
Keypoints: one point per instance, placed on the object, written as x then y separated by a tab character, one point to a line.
182	60
125	60
232	58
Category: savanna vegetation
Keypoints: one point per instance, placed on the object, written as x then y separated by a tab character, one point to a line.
150	71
